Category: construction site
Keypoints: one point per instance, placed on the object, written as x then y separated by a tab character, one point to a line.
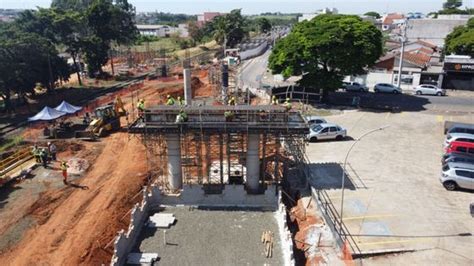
226	185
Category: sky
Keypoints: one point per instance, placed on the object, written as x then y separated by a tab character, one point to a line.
260	6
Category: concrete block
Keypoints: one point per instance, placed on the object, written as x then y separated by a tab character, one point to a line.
161	220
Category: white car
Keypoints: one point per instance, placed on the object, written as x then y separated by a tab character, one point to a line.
427	89
457	175
326	131
388	88
464	137
354	86
314	120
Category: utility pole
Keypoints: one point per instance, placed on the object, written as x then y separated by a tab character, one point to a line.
403	37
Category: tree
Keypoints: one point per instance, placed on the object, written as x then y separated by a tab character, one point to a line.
373	14
195	33
264	25
27	58
77	5
452	4
229	28
326	49
461	40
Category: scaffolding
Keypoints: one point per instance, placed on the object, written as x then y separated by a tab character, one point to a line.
214	148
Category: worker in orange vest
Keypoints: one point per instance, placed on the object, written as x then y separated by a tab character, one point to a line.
64	167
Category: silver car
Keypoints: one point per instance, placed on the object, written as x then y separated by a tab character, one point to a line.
326	131
464	137
387	88
314	120
355	86
427	89
457	175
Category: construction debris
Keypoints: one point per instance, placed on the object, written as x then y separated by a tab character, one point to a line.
267	240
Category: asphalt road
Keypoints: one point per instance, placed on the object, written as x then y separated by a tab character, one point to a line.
253	70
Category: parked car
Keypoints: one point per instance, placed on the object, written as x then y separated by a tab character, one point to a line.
457	175
463	137
459	146
355	86
469	129
427	89
314	120
388	88
457	157
326	131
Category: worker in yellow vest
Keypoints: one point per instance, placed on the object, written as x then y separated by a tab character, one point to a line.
169	100
64	167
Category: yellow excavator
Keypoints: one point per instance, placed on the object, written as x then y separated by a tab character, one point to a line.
106	119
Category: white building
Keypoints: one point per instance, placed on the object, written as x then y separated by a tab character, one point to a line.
310	16
163	30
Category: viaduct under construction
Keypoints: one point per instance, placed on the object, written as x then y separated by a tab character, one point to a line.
254	148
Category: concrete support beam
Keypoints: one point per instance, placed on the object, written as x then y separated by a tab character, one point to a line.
188	96
175	177
253	162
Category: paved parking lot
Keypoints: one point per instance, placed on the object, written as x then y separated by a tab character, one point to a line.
393	198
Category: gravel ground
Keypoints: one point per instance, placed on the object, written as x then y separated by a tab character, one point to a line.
213	237
394	199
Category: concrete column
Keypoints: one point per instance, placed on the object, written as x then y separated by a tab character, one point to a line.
253	162
175	177
188	96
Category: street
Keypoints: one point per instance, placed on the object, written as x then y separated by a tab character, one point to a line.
253	70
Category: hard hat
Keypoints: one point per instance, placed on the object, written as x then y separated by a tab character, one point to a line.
179	97
49	143
168	96
287	99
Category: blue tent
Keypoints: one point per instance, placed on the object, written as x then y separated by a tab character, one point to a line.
67	108
47	114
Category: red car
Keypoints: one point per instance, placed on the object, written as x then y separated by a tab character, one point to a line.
461	146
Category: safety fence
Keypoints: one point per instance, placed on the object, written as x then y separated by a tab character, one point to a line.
336	221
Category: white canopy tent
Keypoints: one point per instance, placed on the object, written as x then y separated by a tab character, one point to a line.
67	108
47	114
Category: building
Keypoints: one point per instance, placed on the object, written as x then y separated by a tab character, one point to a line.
459	71
206	17
163	30
391	21
433	30
310	16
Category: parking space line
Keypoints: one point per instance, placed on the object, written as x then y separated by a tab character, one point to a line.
394	241
387	115
439	118
368	217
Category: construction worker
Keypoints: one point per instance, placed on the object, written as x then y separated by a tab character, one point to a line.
181	101
169	100
274	100
52	151
36	153
44	157
141	108
228	115
64	167
181	117
232	101
287	104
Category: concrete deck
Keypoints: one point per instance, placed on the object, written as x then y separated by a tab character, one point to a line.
213	237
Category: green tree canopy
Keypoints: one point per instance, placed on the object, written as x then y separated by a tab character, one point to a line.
373	14
461	40
326	49
264	25
452	4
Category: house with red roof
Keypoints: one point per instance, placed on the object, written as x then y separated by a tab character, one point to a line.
392	20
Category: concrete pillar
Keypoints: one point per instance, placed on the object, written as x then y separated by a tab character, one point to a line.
253	162
175	177
188	96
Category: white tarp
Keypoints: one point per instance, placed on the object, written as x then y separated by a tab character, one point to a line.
47	113
67	108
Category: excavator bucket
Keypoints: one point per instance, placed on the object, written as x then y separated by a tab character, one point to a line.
85	135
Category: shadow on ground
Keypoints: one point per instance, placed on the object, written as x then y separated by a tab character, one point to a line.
328	176
380	102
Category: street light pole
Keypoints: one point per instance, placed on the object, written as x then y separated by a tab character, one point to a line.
345	162
402	51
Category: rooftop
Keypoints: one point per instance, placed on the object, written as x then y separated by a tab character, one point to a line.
213	237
